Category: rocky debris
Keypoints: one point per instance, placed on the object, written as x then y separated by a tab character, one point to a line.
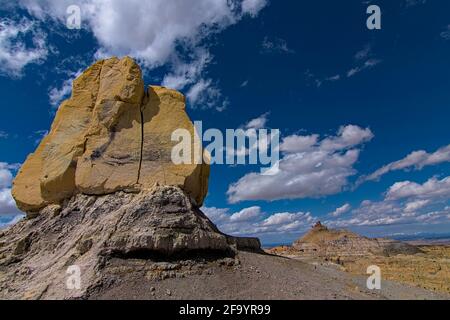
111	135
159	226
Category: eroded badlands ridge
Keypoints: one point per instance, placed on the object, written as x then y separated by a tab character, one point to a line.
90	231
111	135
342	244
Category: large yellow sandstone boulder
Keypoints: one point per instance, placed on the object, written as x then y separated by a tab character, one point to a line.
110	135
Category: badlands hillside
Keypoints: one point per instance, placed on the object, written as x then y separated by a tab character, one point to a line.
422	266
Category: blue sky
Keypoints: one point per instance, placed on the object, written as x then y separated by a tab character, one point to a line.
363	113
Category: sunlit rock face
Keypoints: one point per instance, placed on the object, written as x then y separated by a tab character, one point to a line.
112	135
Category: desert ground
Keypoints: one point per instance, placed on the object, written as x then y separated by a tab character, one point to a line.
247	276
429	270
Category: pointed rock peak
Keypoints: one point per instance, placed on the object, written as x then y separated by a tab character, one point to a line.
319	226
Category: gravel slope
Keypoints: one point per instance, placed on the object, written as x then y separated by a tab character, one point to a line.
249	276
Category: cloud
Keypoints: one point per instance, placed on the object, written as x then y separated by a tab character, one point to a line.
275	45
57	95
253	7
147	30
217	215
297	144
333	78
16	50
416	205
157	33
347	137
7	203
412	3
204	94
246	214
3	135
252	221
366	65
446	34
250	131
282	218
38	135
363	60
308	169
364	53
9	220
244	84
6	175
69	69
341	210
183	73
318	81
432	189
405	202
415	160
258	123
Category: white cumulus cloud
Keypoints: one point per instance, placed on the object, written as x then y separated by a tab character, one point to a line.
253	7
310	169
405	202
169	33
341	210
258	123
415	160
57	94
253	221
246	214
16	52
431	189
7	203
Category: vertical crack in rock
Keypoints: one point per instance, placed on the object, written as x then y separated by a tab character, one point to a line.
162	167
142	144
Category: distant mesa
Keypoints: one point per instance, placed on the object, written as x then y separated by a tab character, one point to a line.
328	243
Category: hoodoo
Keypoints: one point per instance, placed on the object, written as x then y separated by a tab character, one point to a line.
101	190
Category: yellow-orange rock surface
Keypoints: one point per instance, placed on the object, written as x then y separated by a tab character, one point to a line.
111	135
163	113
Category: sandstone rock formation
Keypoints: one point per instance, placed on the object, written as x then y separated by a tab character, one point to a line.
88	231
342	244
111	135
102	186
424	266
